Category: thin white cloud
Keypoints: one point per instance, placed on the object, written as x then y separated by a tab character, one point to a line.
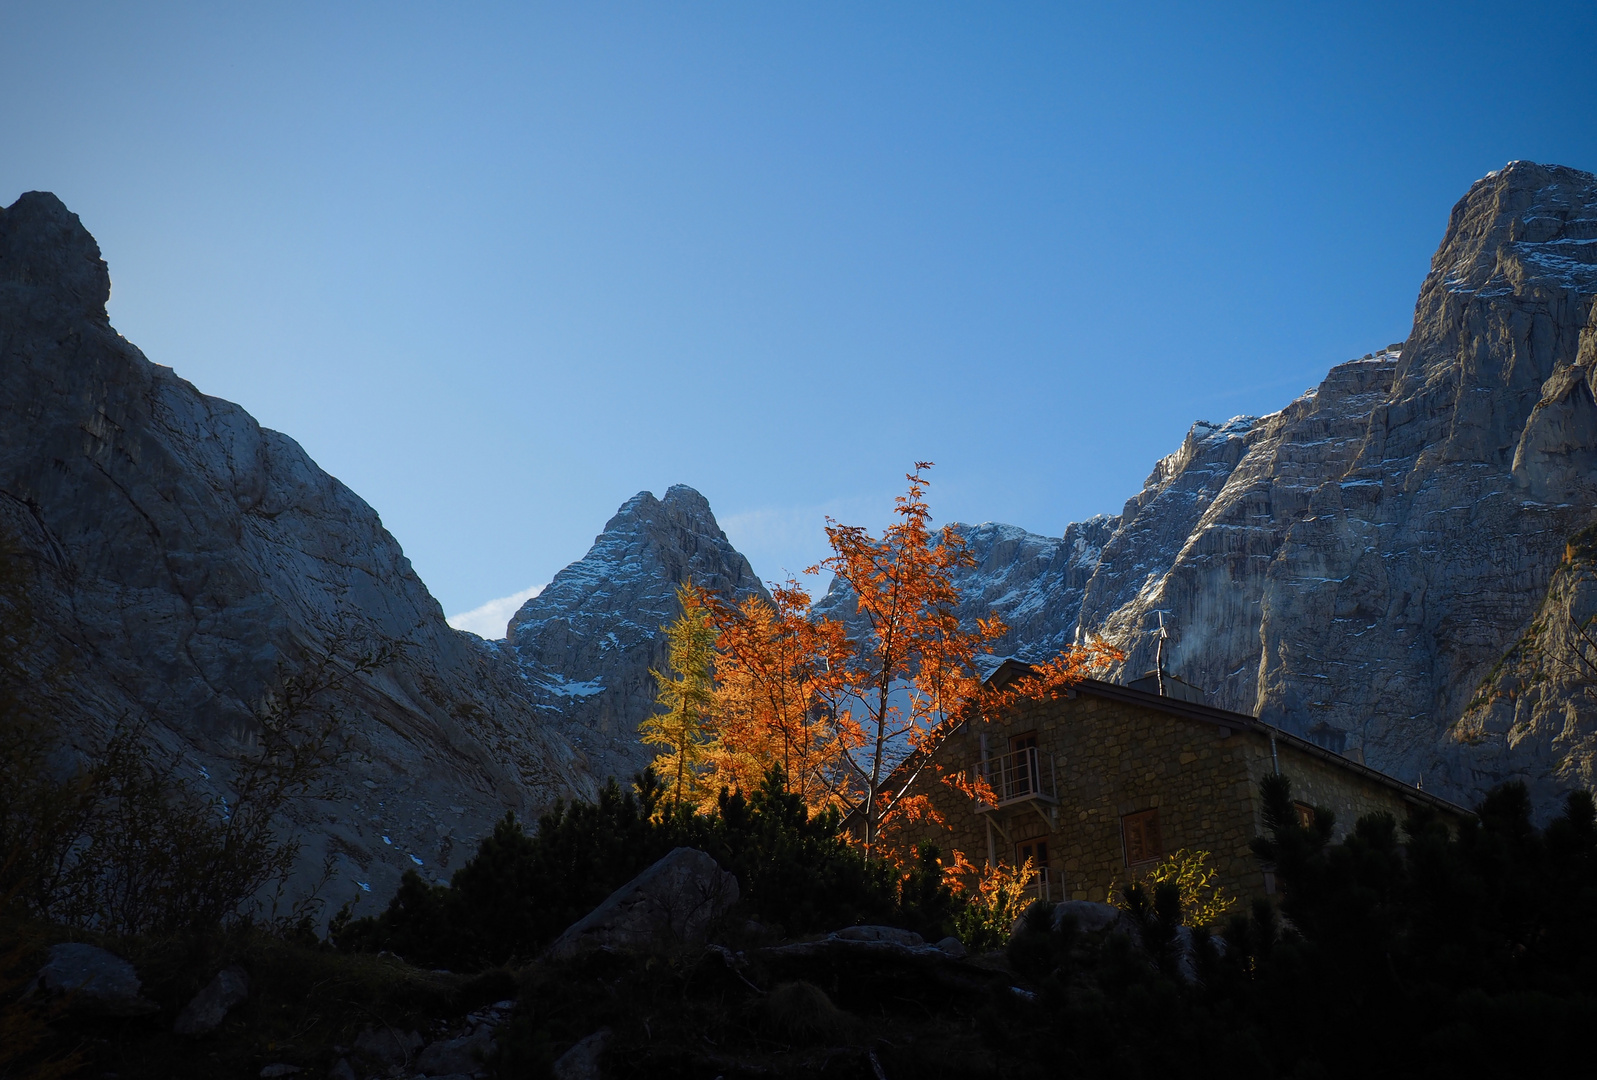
490	620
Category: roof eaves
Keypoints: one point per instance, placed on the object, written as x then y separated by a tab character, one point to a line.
1012	669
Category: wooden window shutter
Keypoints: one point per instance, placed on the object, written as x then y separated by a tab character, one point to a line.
1140	833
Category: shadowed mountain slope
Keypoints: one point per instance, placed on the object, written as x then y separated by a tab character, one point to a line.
183	558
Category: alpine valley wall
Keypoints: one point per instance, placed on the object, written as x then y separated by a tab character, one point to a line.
1355	567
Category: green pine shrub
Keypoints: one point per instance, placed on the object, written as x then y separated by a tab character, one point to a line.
797	873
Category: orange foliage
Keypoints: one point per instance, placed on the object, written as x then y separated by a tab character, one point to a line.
773	670
839	714
907	680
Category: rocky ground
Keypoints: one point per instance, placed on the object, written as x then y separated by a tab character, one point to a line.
658	981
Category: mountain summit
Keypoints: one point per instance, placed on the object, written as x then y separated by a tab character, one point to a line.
1354	566
181	559
587	641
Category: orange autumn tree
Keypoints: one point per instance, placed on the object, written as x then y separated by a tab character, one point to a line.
850	721
910	678
774	669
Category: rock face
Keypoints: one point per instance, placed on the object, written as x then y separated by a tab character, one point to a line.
1535	713
388	1046
1417	567
670	905
1354	565
210	1006
582	1061
97	981
460	1056
586	642
183	558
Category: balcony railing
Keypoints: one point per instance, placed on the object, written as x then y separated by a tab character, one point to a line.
1017	776
1049	884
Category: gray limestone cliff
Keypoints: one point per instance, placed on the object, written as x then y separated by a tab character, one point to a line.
1534	715
586	643
183	558
1353	566
1414	569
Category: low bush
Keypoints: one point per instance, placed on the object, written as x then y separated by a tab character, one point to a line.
796	872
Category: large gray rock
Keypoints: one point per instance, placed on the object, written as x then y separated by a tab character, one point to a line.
582	1061
588	641
453	1057
388	1046
1090	917
669	906
185	556
889	934
208	1008
97	981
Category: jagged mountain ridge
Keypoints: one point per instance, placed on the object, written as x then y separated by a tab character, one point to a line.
587	642
183	557
187	558
1352	566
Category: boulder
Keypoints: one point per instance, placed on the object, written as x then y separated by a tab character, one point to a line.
581	1062
890	934
953	947
205	1012
98	981
387	1046
1090	917
670	905
271	1072
342	1070
448	1057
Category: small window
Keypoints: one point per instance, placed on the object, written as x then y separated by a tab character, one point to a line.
1021	772
1305	814
1035	850
1140	831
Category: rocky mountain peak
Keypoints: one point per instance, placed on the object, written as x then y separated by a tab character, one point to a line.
181	558
587	641
1352	566
1541	215
44	246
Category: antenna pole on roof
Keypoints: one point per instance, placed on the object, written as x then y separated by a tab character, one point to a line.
1158	656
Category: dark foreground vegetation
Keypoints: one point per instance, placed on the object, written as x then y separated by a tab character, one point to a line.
1402	950
796	871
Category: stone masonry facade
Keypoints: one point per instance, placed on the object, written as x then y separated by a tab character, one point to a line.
1119	778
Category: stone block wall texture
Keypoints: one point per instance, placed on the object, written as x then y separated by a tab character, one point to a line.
1106	759
1347	792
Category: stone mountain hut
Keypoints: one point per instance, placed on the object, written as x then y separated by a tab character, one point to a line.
1104	781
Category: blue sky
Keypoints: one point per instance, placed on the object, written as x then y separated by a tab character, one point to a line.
499	267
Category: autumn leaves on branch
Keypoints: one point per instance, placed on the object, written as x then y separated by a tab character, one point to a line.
848	712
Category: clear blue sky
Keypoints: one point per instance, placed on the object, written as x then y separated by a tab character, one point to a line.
500	267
